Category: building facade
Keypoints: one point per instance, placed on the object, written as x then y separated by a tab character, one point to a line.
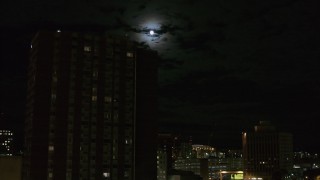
91	104
162	164
266	152
6	141
203	151
197	166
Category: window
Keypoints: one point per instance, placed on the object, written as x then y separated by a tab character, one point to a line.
51	148
53	97
54	78
107	99
87	49
106	174
129	54
95	73
126	173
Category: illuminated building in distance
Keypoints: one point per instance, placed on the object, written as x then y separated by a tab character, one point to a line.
197	166
162	164
266	152
203	151
91	105
6	141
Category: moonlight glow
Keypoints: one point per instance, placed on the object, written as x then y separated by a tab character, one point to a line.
148	31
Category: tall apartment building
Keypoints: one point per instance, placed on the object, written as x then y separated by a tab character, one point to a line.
266	152
91	108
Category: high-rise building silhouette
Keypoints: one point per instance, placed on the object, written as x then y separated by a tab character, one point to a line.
266	152
91	108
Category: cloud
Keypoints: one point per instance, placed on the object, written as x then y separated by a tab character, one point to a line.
170	63
215	86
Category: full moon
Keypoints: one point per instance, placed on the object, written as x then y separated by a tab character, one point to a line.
151	32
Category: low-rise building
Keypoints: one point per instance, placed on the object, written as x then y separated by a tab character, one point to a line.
10	167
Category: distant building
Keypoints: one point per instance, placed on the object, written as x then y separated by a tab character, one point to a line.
313	174
165	154
10	167
197	166
166	142
266	152
203	151
183	175
6	142
91	108
304	161
216	165
162	164
186	150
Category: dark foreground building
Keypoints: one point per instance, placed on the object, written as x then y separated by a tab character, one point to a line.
91	108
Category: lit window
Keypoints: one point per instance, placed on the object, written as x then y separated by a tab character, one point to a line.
87	48
107	99
51	148
55	79
129	54
53	96
94	98
126	174
106	174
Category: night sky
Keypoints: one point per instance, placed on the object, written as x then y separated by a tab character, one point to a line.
225	65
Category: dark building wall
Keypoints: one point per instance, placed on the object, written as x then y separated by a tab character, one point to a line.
146	115
38	108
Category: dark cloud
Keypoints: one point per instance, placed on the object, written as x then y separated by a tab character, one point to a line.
216	86
202	41
142	7
170	63
111	9
168	28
